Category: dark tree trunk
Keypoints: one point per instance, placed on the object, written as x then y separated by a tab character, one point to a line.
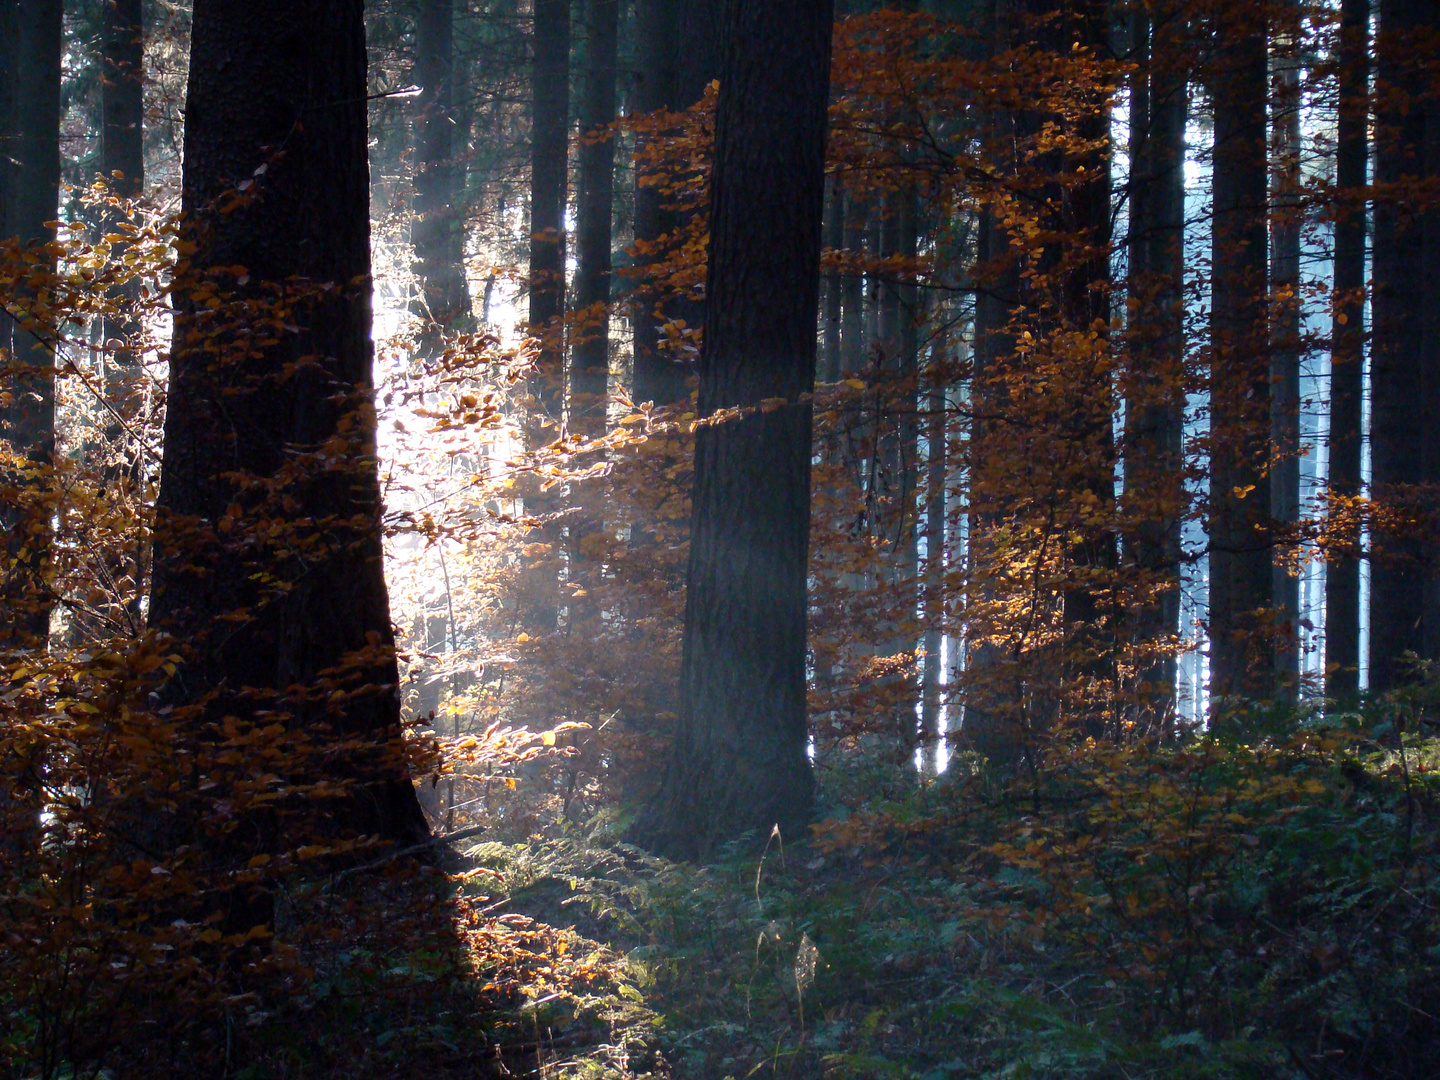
1240	542
268	555
852	289
122	97
679	51
439	226
549	155
1285	355
28	424
1155	410
1401	422
830	317
738	761
1347	355
590	350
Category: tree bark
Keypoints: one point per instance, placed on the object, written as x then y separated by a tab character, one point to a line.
1240	541
1347	354
549	150
590	351
122	97
1285	354
1155	494
738	761
268	568
1401	385
28	424
438	231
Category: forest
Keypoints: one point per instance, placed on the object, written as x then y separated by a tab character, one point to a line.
720	539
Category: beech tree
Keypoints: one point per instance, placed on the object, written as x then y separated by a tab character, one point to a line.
549	150
738	761
268	560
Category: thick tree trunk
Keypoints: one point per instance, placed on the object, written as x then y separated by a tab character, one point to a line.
28	424
1155	494
439	227
1347	354
549	147
1240	542
590	350
1401	385
738	761
268	566
1285	355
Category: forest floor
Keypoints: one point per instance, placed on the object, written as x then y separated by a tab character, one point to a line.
1214	912
1198	911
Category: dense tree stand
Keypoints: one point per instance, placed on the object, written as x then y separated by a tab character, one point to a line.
738	762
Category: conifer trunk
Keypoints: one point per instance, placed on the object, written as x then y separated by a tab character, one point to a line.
1285	356
268	565
590	350
1347	355
1400	438
1155	497
28	424
1240	542
549	149
439	227
738	761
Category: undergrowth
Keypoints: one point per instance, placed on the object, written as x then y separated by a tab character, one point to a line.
1206	910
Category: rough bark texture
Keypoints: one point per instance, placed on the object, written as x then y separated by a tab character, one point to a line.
439	226
269	461
27	424
1155	497
738	761
1401	439
1347	355
1240	543
590	348
549	145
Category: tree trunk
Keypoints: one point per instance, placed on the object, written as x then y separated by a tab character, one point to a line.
1155	409
1400	384
549	145
852	289
1285	355
830	317
590	356
439	226
28	424
1347	354
268	566
679	47
122	97
738	761
1240	543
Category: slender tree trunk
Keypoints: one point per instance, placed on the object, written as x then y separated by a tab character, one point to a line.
1240	543
936	534
658	377
122	97
439	227
1400	421
1347	355
852	289
830	317
268	553
590	356
738	761
28	424
1155	494
549	146
1285	355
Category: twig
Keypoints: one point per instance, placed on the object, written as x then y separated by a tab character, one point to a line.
413	849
